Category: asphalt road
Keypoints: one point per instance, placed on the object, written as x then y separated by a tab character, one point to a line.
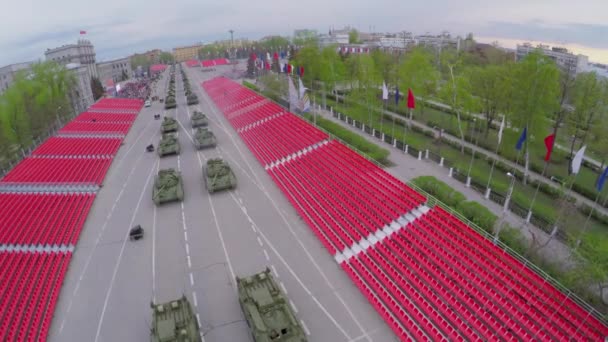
196	247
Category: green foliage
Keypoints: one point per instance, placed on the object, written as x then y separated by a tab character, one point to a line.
274	43
353	139
33	103
166	57
473	211
353	37
418	73
251	86
588	91
96	88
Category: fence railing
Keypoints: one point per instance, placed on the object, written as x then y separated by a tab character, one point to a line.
432	202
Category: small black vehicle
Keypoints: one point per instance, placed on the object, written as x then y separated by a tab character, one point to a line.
150	148
136	233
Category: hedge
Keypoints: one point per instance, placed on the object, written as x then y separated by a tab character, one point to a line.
251	86
374	151
472	210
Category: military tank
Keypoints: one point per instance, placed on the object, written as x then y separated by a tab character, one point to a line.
174	321
267	311
204	138
218	175
198	119
169	124
192	99
168	145
170	102
168	187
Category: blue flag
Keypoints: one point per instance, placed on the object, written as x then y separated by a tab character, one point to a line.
397	97
602	180
522	138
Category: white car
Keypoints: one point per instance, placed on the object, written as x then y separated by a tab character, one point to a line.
147	104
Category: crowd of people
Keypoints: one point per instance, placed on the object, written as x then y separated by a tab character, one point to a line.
139	89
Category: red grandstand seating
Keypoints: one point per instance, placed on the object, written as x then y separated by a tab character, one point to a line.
41	219
193	63
70	146
213	62
59	171
29	287
117	105
157	68
106	117
82	127
436	278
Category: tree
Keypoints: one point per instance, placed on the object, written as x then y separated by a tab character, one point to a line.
96	88
593	261
492	85
274	44
535	93
418	73
386	66
166	57
587	101
353	37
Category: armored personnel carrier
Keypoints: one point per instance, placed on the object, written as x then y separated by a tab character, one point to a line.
174	321
204	138
267	311
198	119
169	124
168	187
168	145
218	175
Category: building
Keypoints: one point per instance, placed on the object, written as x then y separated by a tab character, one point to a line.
115	70
305	34
439	42
7	74
82	53
567	61
401	40
81	96
185	53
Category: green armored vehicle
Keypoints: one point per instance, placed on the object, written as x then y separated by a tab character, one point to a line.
218	175
192	99
168	145
204	138
170	102
174	321
198	119
169	124
168	187
267	311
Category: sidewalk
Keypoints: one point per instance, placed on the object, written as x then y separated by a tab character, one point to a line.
531	174
408	167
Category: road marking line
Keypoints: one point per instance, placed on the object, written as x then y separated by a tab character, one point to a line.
122	249
154	247
186	235
260	242
305	327
283	287
266	255
194	298
274	270
187	250
189	262
293	306
191	279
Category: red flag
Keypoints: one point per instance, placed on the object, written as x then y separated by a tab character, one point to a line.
549	145
83	32
275	56
411	101
301	71
289	68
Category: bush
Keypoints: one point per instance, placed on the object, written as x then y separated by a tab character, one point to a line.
251	86
512	237
374	151
478	214
439	190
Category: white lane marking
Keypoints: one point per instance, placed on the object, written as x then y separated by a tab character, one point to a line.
266	255
306	289
133	144
194	298
189	262
191	279
186	235
293	306
305	327
274	271
103	228
283	288
122	249
187	250
260	242
154	246
198	320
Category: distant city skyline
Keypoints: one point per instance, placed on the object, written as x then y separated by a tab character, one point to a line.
118	28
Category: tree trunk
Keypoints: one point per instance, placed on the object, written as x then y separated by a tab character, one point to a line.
573	141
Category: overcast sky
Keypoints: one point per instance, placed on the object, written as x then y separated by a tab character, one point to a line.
118	28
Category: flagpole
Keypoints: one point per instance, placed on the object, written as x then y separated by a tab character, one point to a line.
488	190
542	175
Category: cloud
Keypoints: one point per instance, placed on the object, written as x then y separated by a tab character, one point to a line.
119	27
